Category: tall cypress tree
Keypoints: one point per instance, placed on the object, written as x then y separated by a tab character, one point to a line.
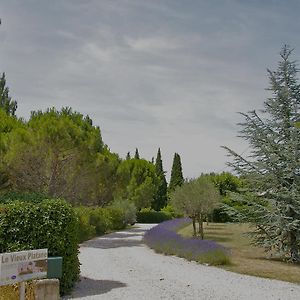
128	156
136	154
160	198
176	173
272	202
6	103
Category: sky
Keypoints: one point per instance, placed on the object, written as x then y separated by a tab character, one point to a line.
161	73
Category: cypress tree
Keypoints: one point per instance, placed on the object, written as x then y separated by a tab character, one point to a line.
176	173
6	103
272	202
160	198
128	156
136	155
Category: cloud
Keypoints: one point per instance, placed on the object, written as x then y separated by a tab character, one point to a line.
151	74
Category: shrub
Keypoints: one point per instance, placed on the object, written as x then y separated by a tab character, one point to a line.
101	219
152	216
219	215
169	209
128	210
86	230
163	238
50	224
95	221
23	197
117	219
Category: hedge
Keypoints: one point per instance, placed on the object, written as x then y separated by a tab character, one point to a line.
152	216
50	224
95	221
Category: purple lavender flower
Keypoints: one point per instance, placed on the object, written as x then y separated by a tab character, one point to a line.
164	238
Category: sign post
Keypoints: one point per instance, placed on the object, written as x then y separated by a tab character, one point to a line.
22	266
22	290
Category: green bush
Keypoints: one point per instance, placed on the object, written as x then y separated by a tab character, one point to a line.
100	218
219	215
50	224
152	216
128	210
86	230
23	197
117	218
169	209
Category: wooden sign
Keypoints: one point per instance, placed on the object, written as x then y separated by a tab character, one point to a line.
23	266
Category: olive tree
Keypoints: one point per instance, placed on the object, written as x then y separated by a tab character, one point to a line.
196	198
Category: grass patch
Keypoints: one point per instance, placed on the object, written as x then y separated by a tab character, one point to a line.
246	258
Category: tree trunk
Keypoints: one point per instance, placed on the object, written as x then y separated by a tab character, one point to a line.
194	225
295	256
53	176
200	221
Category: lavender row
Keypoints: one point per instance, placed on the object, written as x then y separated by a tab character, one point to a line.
164	238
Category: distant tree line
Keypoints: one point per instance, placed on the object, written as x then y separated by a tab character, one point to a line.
61	153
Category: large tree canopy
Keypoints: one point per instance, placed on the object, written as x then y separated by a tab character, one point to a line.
55	154
8	125
137	181
273	167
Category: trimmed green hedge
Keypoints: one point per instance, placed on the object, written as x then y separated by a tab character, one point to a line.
50	224
152	216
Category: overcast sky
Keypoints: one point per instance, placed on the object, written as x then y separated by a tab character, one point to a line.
170	74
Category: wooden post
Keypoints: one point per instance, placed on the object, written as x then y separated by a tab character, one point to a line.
22	290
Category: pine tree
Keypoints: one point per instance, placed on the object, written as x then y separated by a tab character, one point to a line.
128	156
6	103
160	198
136	155
272	170
176	173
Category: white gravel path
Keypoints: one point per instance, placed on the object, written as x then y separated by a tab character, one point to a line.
120	266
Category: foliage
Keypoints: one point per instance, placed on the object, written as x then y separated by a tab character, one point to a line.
86	230
149	216
163	238
176	173
226	184
169	209
48	224
128	156
136	154
272	202
160	197
60	153
196	199
23	197
137	182
8	125
127	209
6	103
95	221
105	180
100	218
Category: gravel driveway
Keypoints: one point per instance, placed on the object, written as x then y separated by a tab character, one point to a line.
119	266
